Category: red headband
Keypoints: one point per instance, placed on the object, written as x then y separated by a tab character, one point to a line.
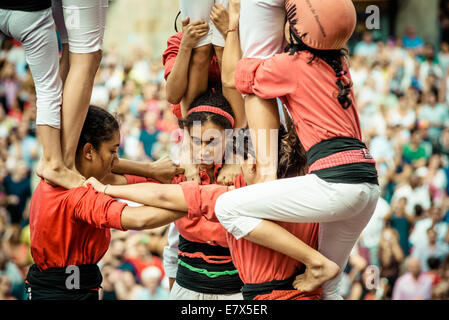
215	110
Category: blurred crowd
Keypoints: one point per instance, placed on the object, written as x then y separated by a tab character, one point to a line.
402	95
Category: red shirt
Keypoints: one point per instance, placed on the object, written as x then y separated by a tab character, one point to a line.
169	58
71	227
308	90
255	263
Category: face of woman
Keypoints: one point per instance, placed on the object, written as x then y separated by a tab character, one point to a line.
103	159
207	144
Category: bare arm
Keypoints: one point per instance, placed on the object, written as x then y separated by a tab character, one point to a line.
231	56
164	196
162	170
145	217
232	51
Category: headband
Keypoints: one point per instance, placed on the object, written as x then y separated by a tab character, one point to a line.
215	110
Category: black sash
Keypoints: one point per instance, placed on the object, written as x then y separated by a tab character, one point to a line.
251	290
346	173
62	283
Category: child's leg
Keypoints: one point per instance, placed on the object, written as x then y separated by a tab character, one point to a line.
41	50
232	95
342	209
85	22
263	120
76	99
58	16
201	54
198	75
261	36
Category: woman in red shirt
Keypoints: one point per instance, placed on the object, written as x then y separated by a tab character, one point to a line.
70	229
341	189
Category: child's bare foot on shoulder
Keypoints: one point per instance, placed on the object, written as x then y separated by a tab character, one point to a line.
59	174
316	274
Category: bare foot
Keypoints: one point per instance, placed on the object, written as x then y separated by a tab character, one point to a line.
316	275
59	175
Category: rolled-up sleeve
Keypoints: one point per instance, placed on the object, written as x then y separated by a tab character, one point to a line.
201	199
97	209
170	53
266	78
192	195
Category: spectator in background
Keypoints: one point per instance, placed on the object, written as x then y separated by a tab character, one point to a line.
441	289
415	192
411	40
432	248
434	270
401	221
414	152
435	178
443	56
433	218
18	184
5	289
366	47
151	288
9	270
148	136
442	145
435	114
429	66
414	285
391	257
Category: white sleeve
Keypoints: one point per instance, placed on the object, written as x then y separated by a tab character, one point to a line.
171	252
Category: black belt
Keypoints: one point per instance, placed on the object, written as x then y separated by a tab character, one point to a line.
69	283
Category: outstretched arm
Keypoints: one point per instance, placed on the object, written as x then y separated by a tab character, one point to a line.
162	170
164	196
146	217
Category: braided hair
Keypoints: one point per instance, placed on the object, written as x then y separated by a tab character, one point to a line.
292	160
333	58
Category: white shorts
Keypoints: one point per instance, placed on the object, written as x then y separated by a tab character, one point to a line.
81	23
180	293
36	31
261	27
200	9
343	210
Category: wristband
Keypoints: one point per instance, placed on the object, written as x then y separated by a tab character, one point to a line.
231	30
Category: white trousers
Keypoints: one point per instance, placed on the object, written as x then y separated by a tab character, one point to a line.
81	23
180	293
343	211
36	32
261	28
200	9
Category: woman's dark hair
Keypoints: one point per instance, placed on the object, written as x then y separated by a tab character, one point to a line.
99	126
292	159
333	58
212	97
